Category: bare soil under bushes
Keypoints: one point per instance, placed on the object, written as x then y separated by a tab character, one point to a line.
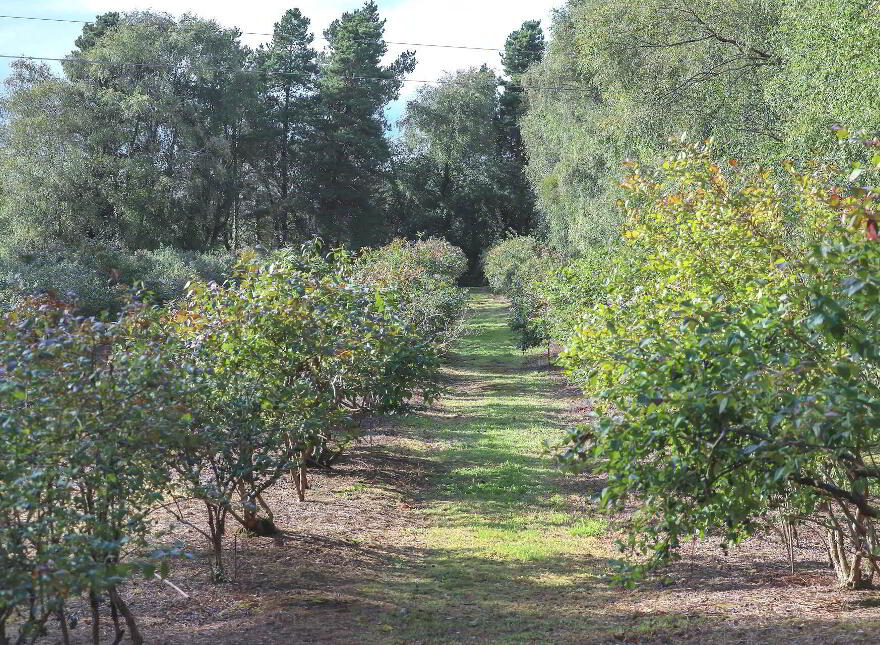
451	525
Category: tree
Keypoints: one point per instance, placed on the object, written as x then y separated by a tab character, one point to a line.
352	160
826	77
289	124
92	32
523	49
114	169
144	153
631	75
451	168
571	161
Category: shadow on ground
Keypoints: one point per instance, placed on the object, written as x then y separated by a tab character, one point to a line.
452	525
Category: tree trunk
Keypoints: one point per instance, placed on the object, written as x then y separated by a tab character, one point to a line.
133	632
282	233
846	555
96	618
216	524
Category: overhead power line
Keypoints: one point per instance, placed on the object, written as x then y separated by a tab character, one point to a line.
260	33
113	63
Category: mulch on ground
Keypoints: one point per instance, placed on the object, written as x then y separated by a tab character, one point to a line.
362	527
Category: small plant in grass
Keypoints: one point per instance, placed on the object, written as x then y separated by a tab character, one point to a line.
589	527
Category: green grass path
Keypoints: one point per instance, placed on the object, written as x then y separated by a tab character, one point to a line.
508	551
504	549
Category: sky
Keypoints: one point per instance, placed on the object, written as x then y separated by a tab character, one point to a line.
479	23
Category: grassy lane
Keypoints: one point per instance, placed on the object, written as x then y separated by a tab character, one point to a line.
450	525
507	550
505	554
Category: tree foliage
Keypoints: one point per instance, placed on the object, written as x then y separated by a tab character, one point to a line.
628	75
287	125
461	170
355	87
735	362
450	175
169	132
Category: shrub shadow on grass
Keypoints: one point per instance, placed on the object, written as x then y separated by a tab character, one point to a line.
503	548
446	596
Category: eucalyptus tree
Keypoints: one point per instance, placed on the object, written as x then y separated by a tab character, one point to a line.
145	134
828	78
628	75
44	172
451	167
179	124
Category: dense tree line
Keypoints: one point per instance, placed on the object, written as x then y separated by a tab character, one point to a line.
194	141
766	80
707	258
462	165
167	145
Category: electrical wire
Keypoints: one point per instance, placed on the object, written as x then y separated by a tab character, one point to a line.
260	33
110	63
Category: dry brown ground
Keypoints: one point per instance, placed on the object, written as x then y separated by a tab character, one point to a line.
360	561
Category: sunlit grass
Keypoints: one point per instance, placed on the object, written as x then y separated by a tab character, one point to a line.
500	535
589	527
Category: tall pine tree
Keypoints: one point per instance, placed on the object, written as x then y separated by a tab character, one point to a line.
355	88
288	125
524	48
